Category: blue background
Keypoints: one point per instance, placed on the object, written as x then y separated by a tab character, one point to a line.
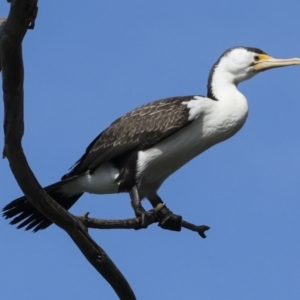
89	62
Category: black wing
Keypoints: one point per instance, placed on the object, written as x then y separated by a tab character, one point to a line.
137	130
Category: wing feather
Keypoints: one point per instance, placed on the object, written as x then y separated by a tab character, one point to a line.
137	130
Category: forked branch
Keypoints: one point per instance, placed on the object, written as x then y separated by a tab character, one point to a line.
21	17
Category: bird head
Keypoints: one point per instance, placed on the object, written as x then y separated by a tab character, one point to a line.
241	63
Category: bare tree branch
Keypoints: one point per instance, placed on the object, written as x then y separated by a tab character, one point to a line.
135	223
21	17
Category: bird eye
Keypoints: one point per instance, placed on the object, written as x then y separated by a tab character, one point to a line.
256	58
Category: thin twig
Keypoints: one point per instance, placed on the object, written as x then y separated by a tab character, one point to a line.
134	223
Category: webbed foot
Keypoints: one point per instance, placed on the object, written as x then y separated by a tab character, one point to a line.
168	220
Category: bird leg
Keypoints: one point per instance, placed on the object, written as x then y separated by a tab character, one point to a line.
167	220
160	212
138	209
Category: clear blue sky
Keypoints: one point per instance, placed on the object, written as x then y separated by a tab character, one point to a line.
89	62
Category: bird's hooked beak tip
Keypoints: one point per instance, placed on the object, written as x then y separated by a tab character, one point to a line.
267	62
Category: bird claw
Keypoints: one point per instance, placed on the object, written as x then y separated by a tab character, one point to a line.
145	217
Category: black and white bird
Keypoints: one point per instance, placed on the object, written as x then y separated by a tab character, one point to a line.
140	150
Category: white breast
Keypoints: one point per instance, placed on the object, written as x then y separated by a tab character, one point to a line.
213	122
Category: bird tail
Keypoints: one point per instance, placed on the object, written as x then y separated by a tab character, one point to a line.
23	212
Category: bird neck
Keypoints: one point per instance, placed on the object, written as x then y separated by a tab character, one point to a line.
224	78
222	85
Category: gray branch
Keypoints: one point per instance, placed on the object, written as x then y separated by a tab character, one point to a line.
12	31
135	223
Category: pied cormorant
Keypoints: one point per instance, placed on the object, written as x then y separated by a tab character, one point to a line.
140	150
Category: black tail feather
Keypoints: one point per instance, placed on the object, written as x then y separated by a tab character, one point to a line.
22	211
